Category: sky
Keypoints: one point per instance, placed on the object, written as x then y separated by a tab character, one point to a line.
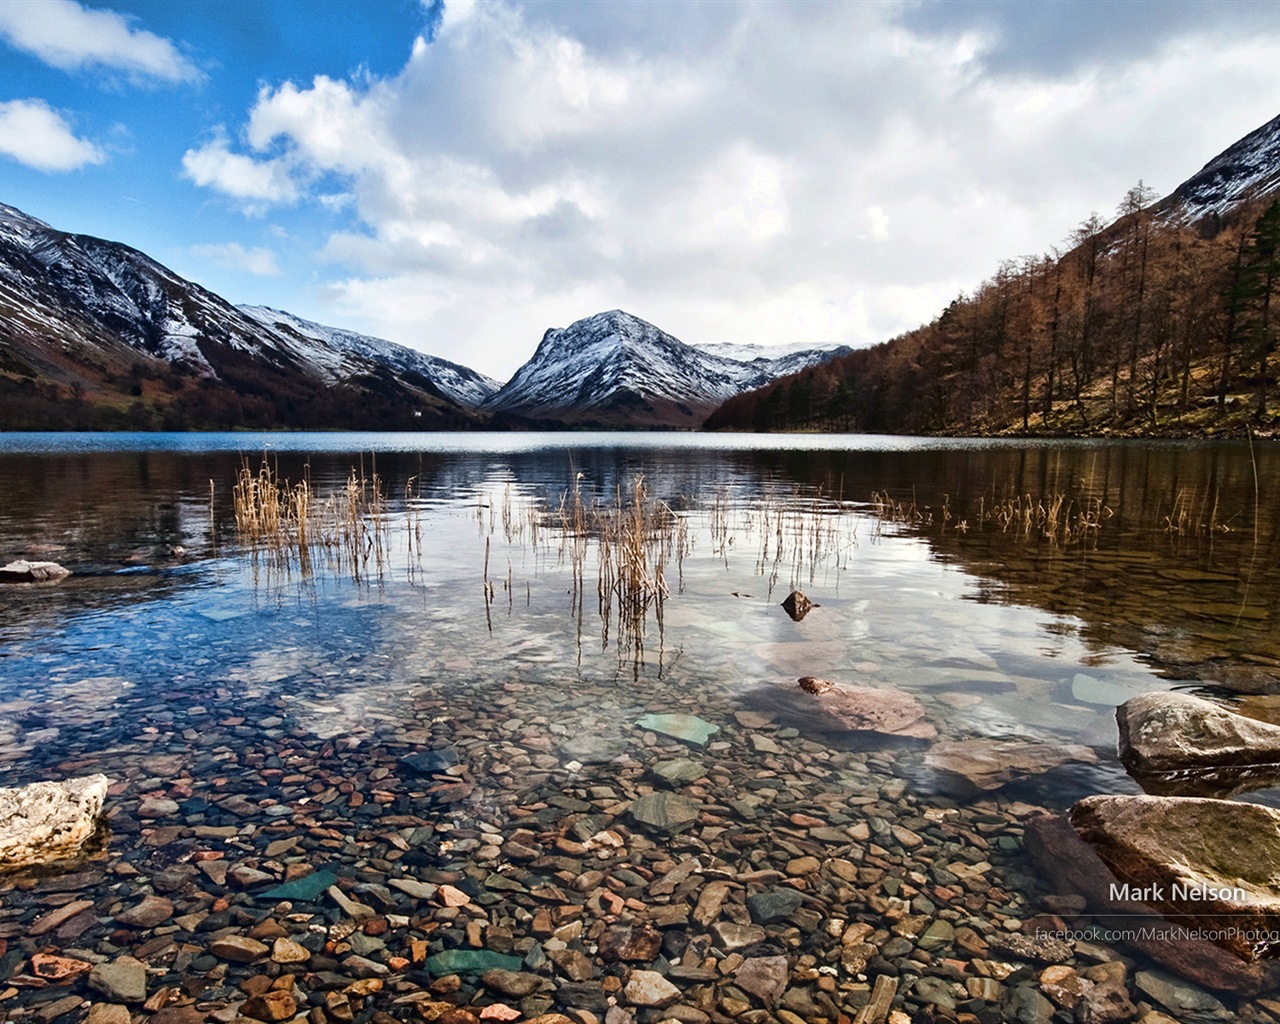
461	176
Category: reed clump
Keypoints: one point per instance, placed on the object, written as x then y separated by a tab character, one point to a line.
294	525
1057	517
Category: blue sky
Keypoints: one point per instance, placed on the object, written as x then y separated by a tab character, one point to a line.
461	176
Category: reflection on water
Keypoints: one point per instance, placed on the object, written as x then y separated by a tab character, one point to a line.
530	603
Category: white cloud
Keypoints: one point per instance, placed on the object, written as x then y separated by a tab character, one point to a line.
69	36
35	134
748	171
234	256
254	181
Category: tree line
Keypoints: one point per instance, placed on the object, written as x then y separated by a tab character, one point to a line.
1149	323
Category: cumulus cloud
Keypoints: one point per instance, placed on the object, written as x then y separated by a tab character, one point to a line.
764	172
254	181
234	256
35	134
69	36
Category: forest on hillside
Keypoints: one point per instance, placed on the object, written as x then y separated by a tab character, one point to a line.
1146	324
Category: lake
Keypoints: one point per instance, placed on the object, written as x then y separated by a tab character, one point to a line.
466	721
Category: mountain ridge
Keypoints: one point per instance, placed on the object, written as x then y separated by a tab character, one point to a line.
615	369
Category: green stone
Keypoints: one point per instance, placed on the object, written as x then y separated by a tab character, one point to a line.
688	728
312	887
469	961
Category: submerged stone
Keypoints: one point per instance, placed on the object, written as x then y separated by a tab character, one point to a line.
309	888
431	762
470	961
688	728
664	812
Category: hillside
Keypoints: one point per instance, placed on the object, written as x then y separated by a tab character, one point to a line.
1161	321
97	335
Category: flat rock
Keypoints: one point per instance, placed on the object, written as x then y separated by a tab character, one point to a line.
1190	1005
630	941
765	977
1211	862
1075	870
470	961
22	571
967	767
687	728
649	988
151	912
871	709
308	888
774	905
731	936
1171	731
664	812
239	949
123	981
47	821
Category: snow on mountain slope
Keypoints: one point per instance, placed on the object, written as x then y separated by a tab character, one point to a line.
460	383
1248	169
98	319
615	367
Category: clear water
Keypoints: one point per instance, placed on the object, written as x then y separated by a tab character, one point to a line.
474	620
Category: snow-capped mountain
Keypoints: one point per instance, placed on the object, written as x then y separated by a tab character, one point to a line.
775	360
614	369
464	385
1248	169
96	333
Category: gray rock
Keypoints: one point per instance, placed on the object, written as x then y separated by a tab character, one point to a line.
732	937
1186	1002
22	571
664	812
124	981
48	821
774	905
1024	1005
1170	731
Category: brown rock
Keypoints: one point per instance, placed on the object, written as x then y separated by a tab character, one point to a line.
272	1005
765	977
1074	867
151	912
1207	862
238	948
873	709
965	768
632	942
797	605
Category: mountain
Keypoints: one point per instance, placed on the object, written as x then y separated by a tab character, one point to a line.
1246	170
96	334
615	370
1159	322
460	383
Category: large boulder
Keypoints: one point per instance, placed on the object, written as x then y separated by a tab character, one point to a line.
23	571
1171	731
1213	861
1074	869
868	709
965	768
48	821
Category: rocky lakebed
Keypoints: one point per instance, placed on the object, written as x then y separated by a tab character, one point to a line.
487	857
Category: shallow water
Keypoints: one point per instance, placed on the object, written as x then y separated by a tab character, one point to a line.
151	664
